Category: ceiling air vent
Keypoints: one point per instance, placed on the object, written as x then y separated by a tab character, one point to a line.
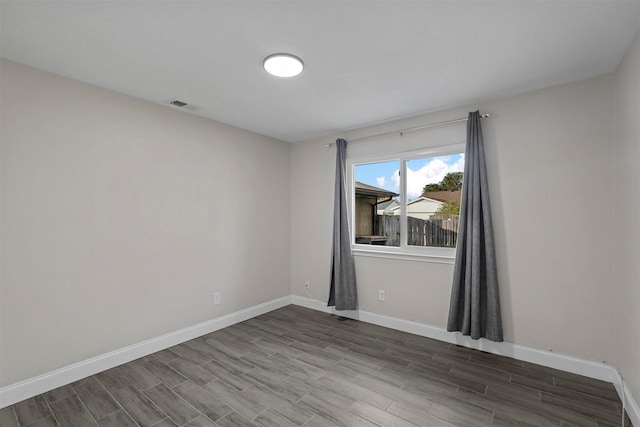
178	103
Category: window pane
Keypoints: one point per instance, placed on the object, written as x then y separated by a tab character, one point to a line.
434	187
377	209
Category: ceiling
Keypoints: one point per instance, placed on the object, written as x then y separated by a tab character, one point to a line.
365	62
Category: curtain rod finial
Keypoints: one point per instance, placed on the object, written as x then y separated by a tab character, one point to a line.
485	115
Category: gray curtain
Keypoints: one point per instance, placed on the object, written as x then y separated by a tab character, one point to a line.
343	294
475	303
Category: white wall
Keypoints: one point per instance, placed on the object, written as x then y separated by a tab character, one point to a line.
115	225
555	269
423	208
627	214
119	219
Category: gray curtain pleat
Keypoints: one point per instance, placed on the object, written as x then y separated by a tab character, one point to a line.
342	294
475	303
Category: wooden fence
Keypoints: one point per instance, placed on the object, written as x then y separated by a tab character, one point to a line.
439	230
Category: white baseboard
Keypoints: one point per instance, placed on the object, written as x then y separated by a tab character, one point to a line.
587	368
630	404
34	386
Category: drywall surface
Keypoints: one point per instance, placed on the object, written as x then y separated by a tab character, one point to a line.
121	218
550	161
627	213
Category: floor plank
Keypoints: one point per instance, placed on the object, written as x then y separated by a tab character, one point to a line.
72	413
299	367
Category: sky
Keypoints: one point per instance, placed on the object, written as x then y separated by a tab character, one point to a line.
419	173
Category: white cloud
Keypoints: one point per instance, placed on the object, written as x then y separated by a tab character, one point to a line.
458	166
381	180
395	178
432	172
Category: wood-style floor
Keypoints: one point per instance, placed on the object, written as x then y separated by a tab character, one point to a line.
298	367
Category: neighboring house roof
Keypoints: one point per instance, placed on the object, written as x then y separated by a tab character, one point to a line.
443	196
387	207
421	198
418	200
369	190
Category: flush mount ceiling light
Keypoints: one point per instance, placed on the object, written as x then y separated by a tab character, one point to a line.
283	65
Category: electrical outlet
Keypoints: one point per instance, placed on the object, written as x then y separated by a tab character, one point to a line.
216	298
381	295
307	284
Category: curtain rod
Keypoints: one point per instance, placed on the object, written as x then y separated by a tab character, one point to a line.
401	132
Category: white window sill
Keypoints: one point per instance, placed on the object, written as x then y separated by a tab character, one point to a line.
440	258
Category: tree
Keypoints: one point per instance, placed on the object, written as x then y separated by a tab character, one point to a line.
449	208
451	182
432	187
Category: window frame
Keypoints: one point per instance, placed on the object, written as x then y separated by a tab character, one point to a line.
404	251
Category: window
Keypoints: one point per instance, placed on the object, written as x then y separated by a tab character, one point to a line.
407	205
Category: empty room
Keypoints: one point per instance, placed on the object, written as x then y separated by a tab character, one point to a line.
319	213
